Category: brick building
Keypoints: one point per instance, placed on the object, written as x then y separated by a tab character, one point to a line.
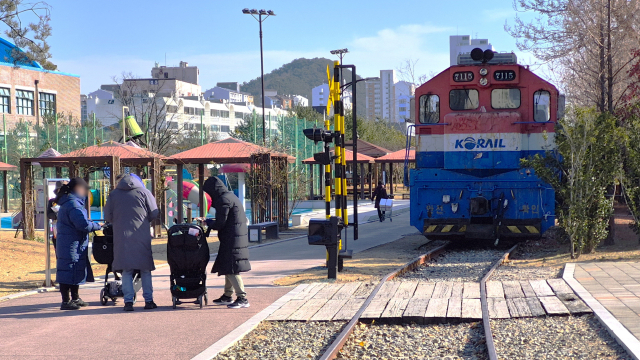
31	93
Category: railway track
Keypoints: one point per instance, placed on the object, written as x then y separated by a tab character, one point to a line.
333	350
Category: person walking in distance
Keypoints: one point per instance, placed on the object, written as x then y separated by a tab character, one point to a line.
380	193
72	246
130	209
233	254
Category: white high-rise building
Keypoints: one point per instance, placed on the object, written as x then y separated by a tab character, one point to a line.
319	95
463	44
387	98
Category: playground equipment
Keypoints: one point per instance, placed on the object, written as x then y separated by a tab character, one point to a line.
190	192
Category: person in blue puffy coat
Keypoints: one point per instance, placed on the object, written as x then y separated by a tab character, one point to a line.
73	267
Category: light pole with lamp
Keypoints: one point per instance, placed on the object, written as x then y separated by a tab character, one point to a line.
260	13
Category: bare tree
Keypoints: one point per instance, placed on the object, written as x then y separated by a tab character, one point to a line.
591	40
31	36
407	72
158	110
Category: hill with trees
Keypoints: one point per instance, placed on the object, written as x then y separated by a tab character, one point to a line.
298	78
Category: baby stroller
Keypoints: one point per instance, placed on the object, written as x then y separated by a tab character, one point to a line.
103	254
188	256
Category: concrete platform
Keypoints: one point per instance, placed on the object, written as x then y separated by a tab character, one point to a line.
612	290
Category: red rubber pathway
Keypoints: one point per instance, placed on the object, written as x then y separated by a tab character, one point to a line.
33	327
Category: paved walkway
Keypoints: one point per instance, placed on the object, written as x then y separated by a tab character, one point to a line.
616	285
33	326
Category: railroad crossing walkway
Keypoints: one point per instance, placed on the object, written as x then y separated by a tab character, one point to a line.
33	326
429	302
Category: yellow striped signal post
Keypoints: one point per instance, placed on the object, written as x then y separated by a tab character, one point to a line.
329	232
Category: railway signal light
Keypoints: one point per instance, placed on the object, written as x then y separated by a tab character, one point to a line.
318	135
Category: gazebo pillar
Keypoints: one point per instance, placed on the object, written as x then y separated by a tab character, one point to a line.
361	180
370	181
180	201
391	177
242	189
201	197
5	195
158	193
311	182
86	177
28	204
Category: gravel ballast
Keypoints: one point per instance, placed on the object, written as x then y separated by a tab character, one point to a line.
458	265
555	338
284	340
441	341
515	271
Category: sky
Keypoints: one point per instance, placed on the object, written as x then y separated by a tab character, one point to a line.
100	40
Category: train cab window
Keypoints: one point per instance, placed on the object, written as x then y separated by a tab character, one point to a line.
505	98
429	109
541	106
463	99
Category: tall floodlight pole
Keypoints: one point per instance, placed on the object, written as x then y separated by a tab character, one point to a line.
266	14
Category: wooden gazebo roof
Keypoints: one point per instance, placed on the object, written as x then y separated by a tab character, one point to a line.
227	151
369	149
397	157
349	155
7	167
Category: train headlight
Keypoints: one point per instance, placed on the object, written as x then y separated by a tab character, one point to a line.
483	72
484	81
446	199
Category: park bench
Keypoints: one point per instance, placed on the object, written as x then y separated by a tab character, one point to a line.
271	228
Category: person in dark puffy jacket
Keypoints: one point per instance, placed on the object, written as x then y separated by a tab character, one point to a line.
130	209
233	254
378	194
72	247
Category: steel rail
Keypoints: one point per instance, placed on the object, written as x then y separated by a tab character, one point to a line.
333	349
491	348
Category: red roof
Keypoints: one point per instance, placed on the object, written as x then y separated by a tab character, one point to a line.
367	148
112	148
9	167
348	154
398	156
225	151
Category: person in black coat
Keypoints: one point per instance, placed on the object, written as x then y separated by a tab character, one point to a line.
233	254
380	193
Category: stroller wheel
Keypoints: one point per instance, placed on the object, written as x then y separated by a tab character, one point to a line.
206	299
103	297
200	301
174	301
390	219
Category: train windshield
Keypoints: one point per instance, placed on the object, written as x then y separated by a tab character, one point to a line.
505	98
429	109
541	106
463	99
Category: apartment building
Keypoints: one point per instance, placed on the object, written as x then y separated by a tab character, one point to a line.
463	44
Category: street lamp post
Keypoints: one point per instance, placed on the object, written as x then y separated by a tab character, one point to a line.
260	13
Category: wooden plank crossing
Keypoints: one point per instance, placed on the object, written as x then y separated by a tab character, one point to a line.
349	309
429	302
541	288
494	289
512	289
416	308
471	290
574	304
518	307
471	309
553	306
559	286
527	289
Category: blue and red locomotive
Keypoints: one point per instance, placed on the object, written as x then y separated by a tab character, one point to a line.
474	123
